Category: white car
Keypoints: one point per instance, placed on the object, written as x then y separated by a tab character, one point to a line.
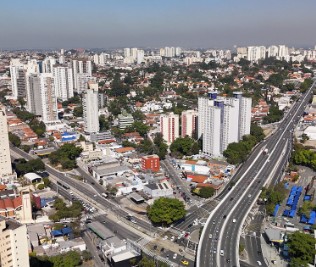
210	236
175	256
234	220
221	252
259	263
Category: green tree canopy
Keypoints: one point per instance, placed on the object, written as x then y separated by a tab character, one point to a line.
166	211
78	111
206	192
14	139
184	146
301	248
66	156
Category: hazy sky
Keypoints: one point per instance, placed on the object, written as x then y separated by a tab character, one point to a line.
155	23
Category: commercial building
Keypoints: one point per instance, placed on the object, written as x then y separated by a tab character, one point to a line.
91	109
222	121
155	190
188	122
13	244
151	162
169	127
5	159
125	120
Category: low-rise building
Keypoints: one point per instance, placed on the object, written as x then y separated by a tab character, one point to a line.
151	162
155	190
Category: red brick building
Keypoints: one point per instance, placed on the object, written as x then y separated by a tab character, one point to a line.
151	162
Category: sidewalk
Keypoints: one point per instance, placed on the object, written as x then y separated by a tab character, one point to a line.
270	253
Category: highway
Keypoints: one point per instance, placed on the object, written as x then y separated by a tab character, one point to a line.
225	222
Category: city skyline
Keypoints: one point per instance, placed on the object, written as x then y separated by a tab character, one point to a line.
48	25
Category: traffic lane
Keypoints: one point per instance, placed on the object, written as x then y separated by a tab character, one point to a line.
255	253
118	229
92	249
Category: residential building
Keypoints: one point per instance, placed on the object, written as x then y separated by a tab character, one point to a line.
79	67
151	162
91	109
13	244
222	121
82	81
5	159
48	102
33	94
188	122
63	82
48	64
18	82
169	127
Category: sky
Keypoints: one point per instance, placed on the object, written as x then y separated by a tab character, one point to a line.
51	24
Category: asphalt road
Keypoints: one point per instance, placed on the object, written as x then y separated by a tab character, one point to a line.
224	224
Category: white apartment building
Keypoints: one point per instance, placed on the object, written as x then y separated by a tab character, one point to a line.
125	120
79	67
63	82
222	121
169	127
18	83
256	53
188	122
127	52
5	159
91	108
48	102
47	64
33	94
283	51
140	56
82	81
134	53
273	51
13	244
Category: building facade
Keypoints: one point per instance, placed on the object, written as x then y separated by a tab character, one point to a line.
188	123
222	120
5	159
63	82
151	162
13	244
91	109
169	127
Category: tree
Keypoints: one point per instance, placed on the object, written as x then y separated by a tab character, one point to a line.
274	115
78	111
32	165
206	192
38	127
138	115
166	211
184	146
103	123
40	186
86	255
301	248
257	132
304	138
65	155
140	127
14	139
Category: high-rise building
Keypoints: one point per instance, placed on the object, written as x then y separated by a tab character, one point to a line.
33	94
82	81
283	51
188	122
5	159
134	53
222	121
273	51
178	51
79	67
48	102
96	59
256	53
169	127
48	64
63	82
13	244
91	109
140	56
127	52
18	82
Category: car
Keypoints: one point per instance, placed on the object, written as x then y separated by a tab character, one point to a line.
213	221
249	195
190	225
184	262
162	250
228	260
231	198
221	252
175	256
155	247
214	251
224	217
210	236
259	263
234	220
